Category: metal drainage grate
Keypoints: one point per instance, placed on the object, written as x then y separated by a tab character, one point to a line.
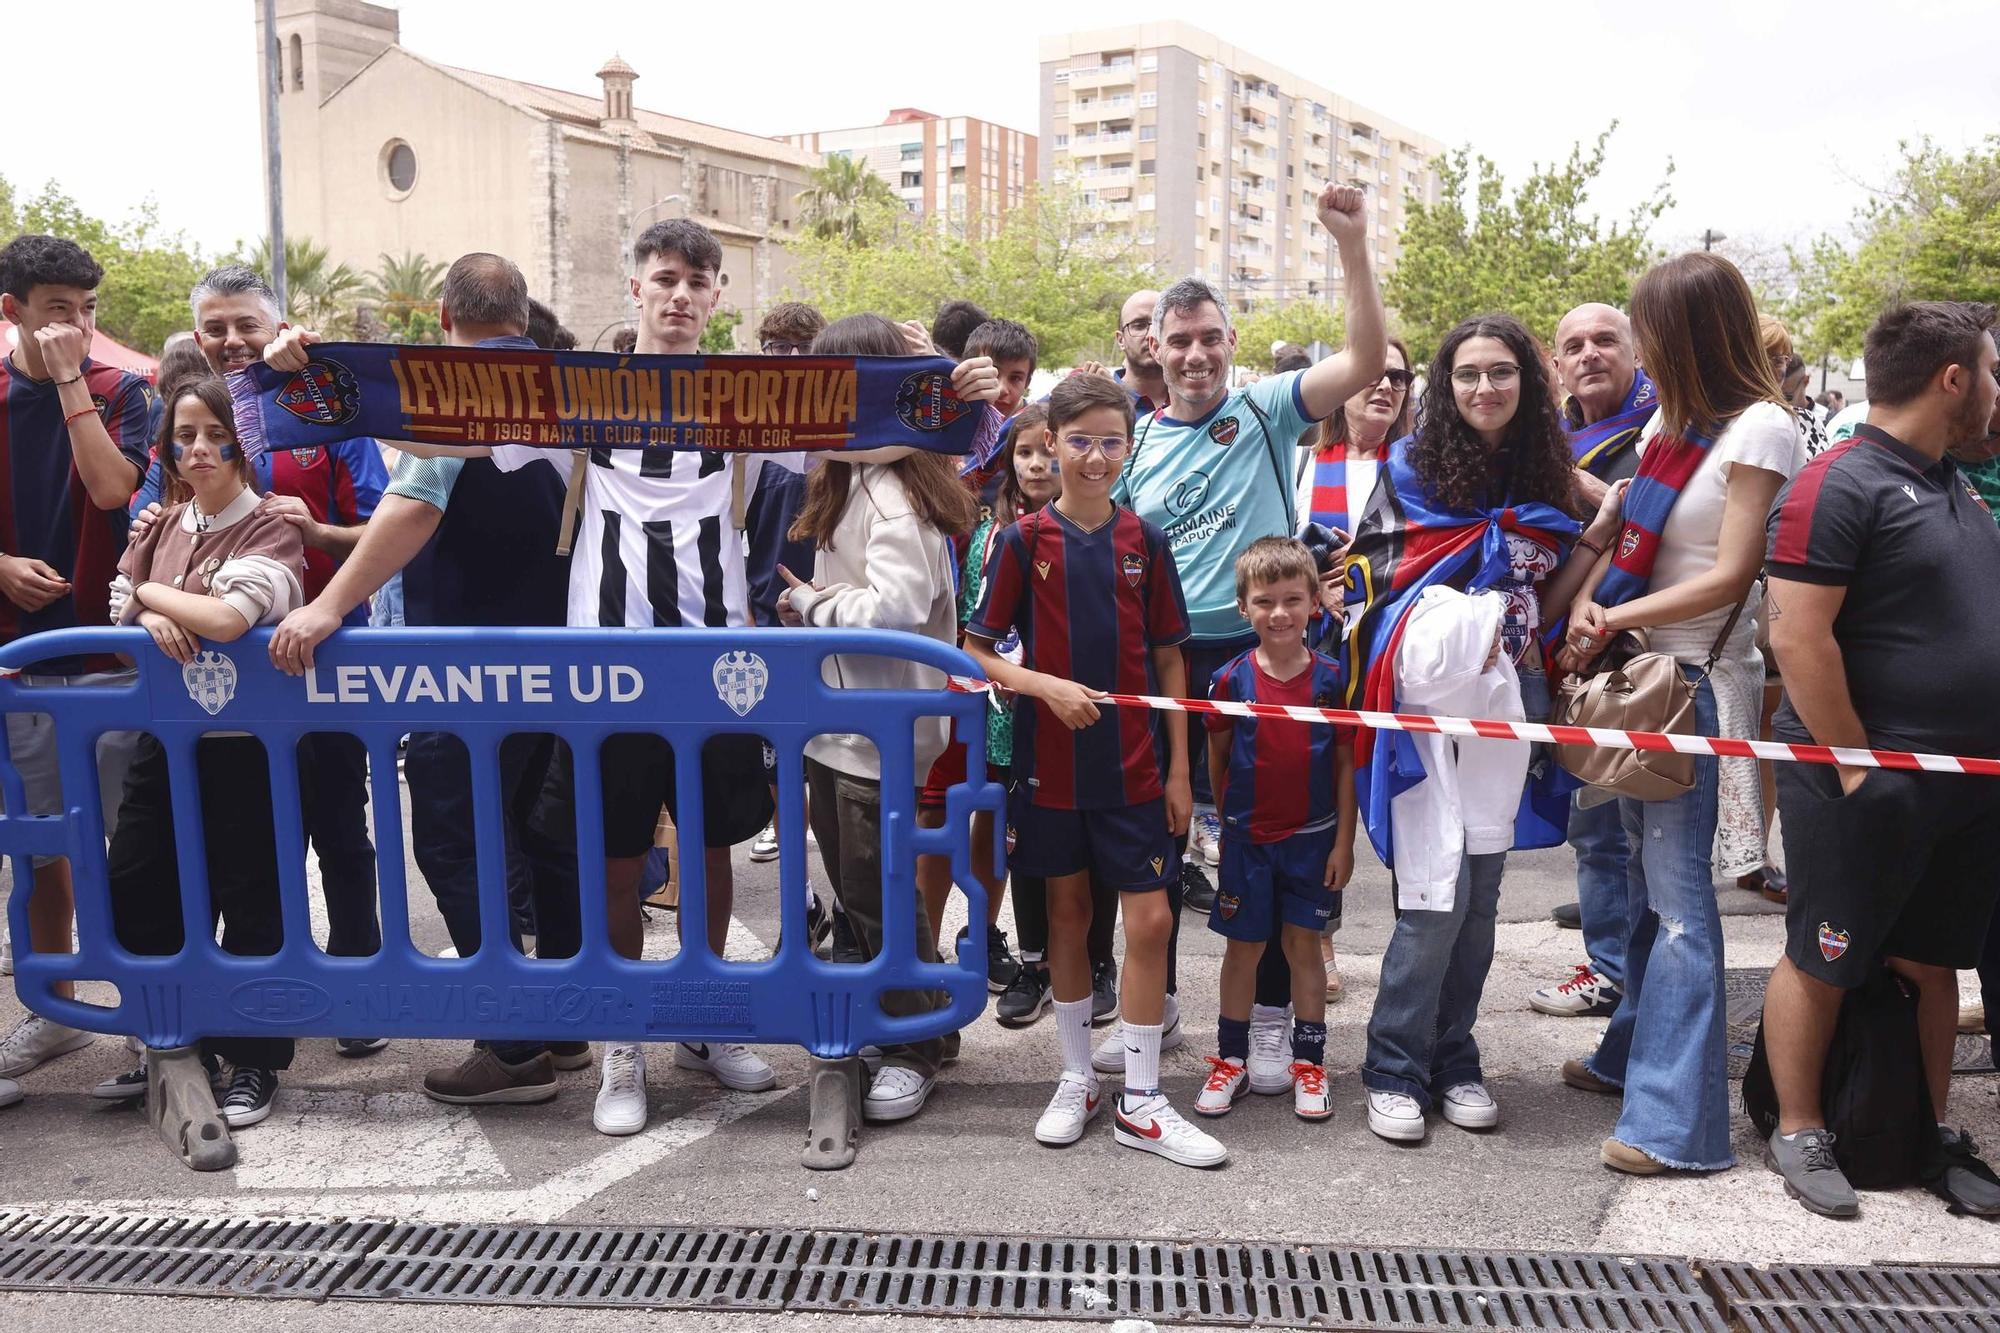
707	1268
1785	1298
185	1256
1287	1285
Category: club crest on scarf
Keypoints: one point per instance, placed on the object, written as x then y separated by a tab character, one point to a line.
324	393
926	401
740	681
211	681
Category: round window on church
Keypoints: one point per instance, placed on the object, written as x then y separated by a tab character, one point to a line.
399	167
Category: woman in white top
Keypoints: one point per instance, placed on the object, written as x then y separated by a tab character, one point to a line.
1727	442
884	535
1337	475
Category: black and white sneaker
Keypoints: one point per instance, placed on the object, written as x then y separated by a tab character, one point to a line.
1025	1000
1103	994
1197	894
356	1047
126	1087
248	1101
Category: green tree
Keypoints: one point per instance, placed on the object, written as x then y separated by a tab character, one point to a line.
418	324
840	199
319	293
1534	255
1052	265
147	272
1303	322
1932	234
720	335
402	285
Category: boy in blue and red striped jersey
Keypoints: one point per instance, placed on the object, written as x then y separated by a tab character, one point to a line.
1094	593
1286	792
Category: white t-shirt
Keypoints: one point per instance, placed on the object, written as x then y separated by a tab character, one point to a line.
656	546
1361	477
1765	436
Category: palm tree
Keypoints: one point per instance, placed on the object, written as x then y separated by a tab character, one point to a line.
840	195
319	293
403	285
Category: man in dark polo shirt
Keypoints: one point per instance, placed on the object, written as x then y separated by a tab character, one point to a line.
477	546
1883	567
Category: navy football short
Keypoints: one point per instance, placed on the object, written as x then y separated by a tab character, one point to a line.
1263	884
1127	846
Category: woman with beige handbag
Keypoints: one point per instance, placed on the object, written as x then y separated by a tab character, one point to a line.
1690	548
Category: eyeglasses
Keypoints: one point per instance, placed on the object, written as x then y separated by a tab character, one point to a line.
1138	325
786	349
1399	380
1498	376
1113	447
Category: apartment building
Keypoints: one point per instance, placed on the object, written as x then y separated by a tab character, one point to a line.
966	171
1210	156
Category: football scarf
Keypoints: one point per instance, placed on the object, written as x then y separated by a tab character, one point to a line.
1604	442
583	400
1407	542
1664	472
1329	491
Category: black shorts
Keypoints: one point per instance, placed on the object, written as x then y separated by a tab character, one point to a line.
1126	846
1903	867
638	776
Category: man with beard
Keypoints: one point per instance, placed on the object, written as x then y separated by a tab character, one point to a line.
1883	563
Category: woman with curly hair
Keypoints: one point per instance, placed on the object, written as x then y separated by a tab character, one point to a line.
1470	534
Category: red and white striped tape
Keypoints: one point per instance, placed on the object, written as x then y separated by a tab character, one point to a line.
1600	737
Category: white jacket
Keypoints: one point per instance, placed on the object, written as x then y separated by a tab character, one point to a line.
1471	791
885	569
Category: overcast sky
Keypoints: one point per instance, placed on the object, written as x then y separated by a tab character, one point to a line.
1776	113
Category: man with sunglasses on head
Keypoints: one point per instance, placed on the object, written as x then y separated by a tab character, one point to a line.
1213	467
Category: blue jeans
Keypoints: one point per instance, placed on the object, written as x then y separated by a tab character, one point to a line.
1666	1046
1598	835
1434	973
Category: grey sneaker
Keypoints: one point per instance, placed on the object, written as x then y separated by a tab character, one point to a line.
1805	1160
1963	1181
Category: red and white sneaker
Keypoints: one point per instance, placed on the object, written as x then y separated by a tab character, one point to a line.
1075	1105
1587	994
1309	1096
1155	1127
1226	1081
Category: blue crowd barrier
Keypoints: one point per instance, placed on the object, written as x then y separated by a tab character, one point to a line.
482	686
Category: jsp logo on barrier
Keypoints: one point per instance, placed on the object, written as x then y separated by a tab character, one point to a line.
485	687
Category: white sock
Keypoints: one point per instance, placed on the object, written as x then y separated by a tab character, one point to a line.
1142	1060
1073	1030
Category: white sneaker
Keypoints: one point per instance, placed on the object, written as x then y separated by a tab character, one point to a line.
1271	1055
1154	1126
1587	994
731	1064
621	1091
896	1094
765	846
1109	1057
10	1092
1394	1116
1206	840
449	951
36	1041
1470	1106
1075	1105
1225	1084
1310	1099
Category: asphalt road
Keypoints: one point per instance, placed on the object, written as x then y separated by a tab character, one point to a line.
357	1138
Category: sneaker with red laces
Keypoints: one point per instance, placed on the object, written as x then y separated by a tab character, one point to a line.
1587	994
1310	1100
1226	1081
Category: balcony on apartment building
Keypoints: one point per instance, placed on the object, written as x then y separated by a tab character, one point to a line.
1116	74
1104	178
1099	142
1092	110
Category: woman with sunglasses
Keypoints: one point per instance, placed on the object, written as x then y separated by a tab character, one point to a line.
1453	625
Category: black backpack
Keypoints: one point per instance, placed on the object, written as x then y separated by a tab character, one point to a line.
1874	1093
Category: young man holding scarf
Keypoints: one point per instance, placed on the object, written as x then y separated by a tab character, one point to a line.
1610	401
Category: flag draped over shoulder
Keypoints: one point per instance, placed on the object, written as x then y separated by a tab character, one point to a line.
1407	543
1603	442
580	400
